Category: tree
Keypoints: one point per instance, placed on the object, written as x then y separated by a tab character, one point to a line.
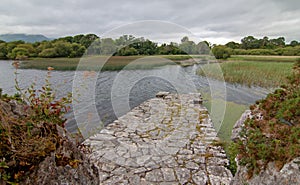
250	42
264	43
63	49
3	51
127	51
279	42
188	46
11	45
77	50
148	48
294	43
233	45
203	48
18	53
107	46
29	47
65	39
221	52
77	38
184	39
169	49
48	53
144	47
88	39
125	40
95	48
44	45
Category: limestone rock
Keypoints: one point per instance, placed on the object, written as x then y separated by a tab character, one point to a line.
77	171
288	175
159	142
162	94
239	125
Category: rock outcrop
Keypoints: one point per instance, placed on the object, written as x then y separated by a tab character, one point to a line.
70	167
166	140
61	171
239	125
289	174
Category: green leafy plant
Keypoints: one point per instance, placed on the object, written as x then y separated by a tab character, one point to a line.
27	139
44	103
221	52
276	135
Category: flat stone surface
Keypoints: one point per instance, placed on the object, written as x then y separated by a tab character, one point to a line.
165	140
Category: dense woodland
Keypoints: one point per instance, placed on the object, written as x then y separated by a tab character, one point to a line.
76	46
253	46
126	45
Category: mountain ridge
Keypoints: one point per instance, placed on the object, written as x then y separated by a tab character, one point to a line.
31	38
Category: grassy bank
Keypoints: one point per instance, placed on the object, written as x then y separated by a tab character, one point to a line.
233	112
89	63
269	58
251	73
113	63
275	136
224	126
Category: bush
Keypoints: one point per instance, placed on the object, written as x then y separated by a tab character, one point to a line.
3	51
48	53
18	53
286	51
240	52
261	52
289	51
221	52
275	137
25	140
127	51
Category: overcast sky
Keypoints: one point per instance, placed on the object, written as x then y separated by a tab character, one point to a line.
217	21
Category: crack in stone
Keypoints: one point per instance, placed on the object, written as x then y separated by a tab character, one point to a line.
164	140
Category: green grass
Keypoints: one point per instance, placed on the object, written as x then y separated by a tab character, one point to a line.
224	126
265	58
274	137
233	112
90	63
113	63
251	73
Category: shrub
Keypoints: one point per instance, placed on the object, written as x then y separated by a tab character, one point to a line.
289	51
275	137
240	52
221	52
25	140
48	53
18	53
261	52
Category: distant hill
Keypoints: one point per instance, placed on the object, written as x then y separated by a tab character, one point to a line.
24	37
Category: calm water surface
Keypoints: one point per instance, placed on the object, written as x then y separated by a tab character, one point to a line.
116	92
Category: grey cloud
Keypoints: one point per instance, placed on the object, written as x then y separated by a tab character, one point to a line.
207	19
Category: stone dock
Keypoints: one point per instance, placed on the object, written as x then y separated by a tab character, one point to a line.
169	139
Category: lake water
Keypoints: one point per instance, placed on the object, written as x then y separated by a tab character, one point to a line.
116	92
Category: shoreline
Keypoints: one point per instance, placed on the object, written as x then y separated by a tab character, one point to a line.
263	58
110	63
119	62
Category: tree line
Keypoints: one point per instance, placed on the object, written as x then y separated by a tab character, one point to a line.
254	46
91	44
127	45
